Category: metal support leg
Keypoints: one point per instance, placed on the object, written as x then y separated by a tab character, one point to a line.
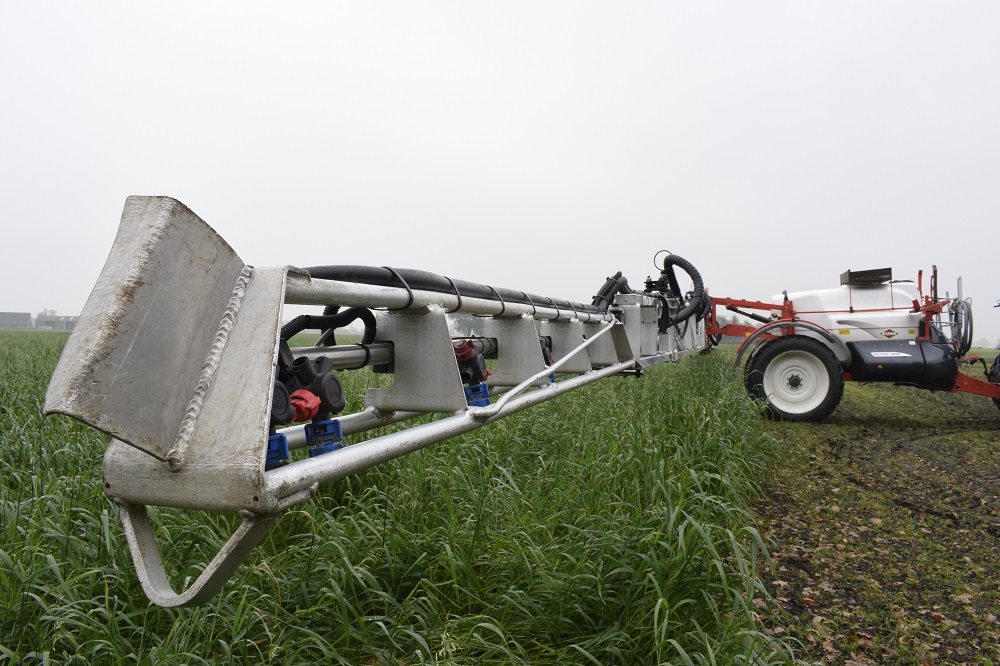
149	564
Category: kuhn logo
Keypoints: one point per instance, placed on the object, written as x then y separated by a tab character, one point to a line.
889	333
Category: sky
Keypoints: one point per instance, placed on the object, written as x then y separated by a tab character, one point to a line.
538	146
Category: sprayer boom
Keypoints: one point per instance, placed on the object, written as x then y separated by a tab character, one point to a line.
181	357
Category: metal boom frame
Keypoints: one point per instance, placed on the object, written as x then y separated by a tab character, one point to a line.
176	352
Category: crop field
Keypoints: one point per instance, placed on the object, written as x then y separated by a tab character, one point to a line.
610	526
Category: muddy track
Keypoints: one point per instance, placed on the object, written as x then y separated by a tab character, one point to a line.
885	525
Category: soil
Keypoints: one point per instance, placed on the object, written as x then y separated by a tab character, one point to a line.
884	522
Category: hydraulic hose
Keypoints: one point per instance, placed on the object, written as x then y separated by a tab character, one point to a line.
696	305
327	322
961	318
411	279
614	285
328	337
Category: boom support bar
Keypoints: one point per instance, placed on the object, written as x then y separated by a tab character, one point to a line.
306	476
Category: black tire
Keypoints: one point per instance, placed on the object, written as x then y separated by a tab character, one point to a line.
798	379
993	376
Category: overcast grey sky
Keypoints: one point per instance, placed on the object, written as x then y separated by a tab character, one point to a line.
532	145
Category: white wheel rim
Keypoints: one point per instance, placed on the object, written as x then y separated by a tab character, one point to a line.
796	382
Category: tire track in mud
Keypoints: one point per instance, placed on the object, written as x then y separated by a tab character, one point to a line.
885	525
963	489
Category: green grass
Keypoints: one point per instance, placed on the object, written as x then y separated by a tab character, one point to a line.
607	527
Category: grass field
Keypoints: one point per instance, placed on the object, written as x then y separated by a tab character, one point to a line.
610	526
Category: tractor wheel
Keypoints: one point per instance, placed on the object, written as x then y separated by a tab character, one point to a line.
798	378
993	376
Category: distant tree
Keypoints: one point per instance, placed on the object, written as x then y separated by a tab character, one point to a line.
46	313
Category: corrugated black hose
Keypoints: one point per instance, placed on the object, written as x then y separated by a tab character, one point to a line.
328	322
616	284
696	304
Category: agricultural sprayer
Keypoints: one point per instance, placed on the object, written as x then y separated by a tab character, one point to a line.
180	356
870	328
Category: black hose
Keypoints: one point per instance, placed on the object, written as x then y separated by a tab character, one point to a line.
614	285
333	321
696	304
328	337
426	281
663	322
961	320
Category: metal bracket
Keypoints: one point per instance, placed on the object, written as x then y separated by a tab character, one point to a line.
518	353
606	351
567	335
149	563
425	371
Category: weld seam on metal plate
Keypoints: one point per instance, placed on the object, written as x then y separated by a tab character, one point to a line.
175	459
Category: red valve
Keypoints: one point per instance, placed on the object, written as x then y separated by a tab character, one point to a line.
464	350
306	405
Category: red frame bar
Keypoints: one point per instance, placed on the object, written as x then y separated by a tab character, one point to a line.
745	330
968	384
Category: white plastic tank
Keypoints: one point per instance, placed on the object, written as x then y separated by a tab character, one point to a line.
861	313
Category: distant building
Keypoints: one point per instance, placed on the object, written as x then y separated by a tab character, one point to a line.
46	322
15	320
